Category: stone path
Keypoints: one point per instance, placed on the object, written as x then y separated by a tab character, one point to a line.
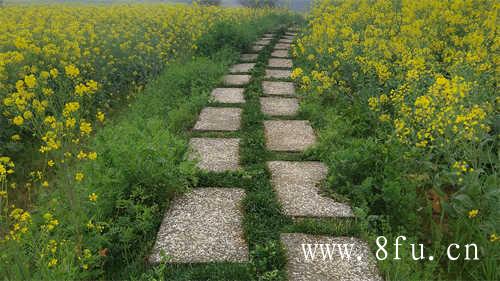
205	224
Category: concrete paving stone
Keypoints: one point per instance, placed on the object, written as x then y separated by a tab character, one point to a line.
202	226
291	33
228	95
289	135
273	106
337	268
257	48
263	42
280	63
296	184
282	46
249	57
219	119
288	37
280	54
273	88
236	79
215	154
268	35
285	41
242	68
278	74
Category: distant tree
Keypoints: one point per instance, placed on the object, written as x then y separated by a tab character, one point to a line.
259	3
208	2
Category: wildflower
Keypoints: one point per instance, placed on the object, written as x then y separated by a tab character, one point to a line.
30	81
92	155
79	176
72	71
85	128
45	184
15	137
494	237
54	72
3	193
51	163
18	120
473	213
100	116
93	197
52	262
81	155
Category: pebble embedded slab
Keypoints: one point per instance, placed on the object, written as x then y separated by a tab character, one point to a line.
282	46
236	79
204	225
249	57
280	63
215	154
288	135
280	54
219	119
273	106
242	68
296	185
278	74
228	95
334	269
278	88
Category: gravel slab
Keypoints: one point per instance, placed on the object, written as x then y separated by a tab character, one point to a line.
280	63
296	184
282	46
284	40
334	269
228	95
278	88
219	119
257	48
204	225
236	79
216	154
242	68
288	135
278	74
249	57
280	54
279	106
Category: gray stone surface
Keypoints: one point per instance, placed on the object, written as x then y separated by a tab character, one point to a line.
296	184
301	269
288	135
282	46
278	73
257	48
219	119
268	35
263	42
291	33
279	106
278	88
280	63
236	79
249	57
286	41
204	225
280	54
242	67
215	154
288	37
228	95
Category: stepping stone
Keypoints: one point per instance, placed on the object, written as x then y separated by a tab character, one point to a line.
280	63
219	119
242	68
278	73
263	42
204	225
296	185
215	154
228	95
287	41
278	88
337	268
249	57
291	33
268	35
257	48
236	79
280	54
288	135
279	106
288	37
282	46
